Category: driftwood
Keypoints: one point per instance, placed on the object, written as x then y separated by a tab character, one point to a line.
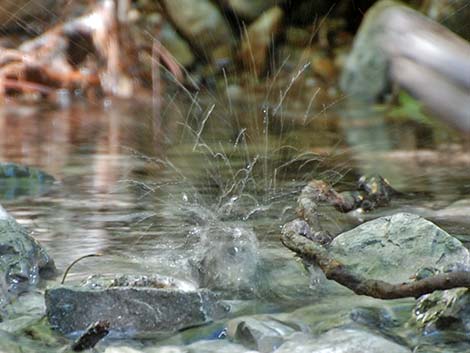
315	253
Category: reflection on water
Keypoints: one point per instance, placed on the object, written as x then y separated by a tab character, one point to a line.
111	199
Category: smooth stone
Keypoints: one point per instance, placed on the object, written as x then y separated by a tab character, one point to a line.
341	341
131	311
261	333
394	248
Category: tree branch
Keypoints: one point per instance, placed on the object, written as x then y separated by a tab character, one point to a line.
334	270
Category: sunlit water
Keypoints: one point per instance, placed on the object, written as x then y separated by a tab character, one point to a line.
138	192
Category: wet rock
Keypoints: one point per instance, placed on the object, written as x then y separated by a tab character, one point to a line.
225	258
176	45
200	22
341	341
394	248
263	334
453	14
259	37
250	9
22	260
444	310
131	311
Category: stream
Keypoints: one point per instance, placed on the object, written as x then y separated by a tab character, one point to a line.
138	189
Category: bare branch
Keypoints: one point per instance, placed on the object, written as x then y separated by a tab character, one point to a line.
315	253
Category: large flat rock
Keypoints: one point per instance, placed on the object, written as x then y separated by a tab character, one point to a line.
394	248
131	311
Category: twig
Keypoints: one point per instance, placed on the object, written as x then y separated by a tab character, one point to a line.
74	262
93	334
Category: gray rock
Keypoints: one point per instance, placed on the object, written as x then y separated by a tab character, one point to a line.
263	334
200	22
22	260
131	311
394	248
341	341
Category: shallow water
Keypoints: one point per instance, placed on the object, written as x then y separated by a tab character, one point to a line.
245	163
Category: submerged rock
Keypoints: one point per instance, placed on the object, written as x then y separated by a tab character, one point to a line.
130	310
341	341
22	260
394	248
263	334
19	180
